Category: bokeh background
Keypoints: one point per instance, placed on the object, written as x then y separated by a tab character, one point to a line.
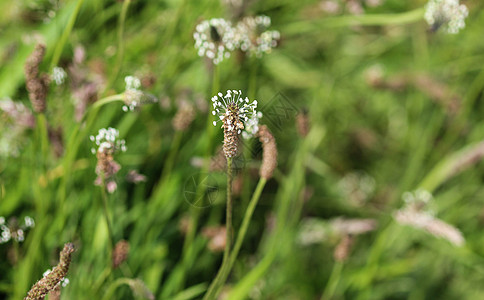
378	121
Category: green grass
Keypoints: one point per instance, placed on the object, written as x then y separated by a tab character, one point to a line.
404	139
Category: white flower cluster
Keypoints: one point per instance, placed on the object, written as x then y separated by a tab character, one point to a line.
448	14
253	37
58	75
16	119
357	187
224	106
64	281
419	200
133	96
416	213
13	231
216	38
132	93
252	126
107	140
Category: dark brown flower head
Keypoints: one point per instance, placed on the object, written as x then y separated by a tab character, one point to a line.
52	279
269	152
37	84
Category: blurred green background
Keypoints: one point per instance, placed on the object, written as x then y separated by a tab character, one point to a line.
390	105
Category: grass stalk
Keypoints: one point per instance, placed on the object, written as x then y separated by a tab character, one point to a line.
65	35
214	286
333	281
107	216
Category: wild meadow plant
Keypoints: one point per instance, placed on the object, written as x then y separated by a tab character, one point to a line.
372	191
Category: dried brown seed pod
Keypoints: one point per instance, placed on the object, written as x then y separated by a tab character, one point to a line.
269	152
40	289
120	253
342	250
37	84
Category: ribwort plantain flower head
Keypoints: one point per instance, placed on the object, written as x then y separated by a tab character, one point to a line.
133	96
58	75
214	39
253	37
14	229
446	14
107	141
234	112
106	168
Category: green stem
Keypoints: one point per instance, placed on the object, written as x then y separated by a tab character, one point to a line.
242	231
350	20
175	145
120	54
246	221
228	220
333	281
252	78
212	290
106	100
106	216
112	288
65	35
44	137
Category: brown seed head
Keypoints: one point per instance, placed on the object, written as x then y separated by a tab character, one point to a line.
302	123
183	117
120	253
37	84
342	251
40	289
269	152
231	126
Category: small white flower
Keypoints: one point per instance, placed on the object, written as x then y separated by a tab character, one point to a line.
215	39
107	140
2	220
19	237
58	75
446	14
132	83
133	96
6	234
252	126
65	281
29	222
47	272
253	37
232	102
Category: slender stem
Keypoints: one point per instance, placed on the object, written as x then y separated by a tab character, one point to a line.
228	220
242	231
212	290
65	35
120	54
106	100
175	145
253	78
333	281
199	195
362	20
106	215
44	137
246	221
